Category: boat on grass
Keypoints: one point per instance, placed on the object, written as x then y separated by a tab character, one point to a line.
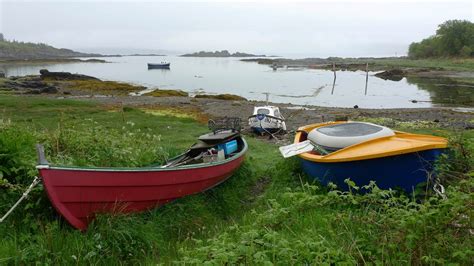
79	193
267	119
364	152
158	66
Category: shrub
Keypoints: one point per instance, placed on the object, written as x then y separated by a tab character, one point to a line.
453	38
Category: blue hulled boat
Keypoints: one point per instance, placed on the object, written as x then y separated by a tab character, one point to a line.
365	152
159	66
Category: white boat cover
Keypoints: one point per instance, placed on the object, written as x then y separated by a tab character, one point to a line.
267	117
334	137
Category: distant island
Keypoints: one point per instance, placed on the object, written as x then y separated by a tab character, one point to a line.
14	50
223	53
144	55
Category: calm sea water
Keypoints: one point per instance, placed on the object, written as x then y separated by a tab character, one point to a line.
251	80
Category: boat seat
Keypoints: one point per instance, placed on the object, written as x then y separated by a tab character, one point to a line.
218	137
211	140
339	136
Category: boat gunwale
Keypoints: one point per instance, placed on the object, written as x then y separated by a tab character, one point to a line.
327	158
148	168
270	116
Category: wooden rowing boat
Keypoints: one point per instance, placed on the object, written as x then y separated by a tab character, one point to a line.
79	193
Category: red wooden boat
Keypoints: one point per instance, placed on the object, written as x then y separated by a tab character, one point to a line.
79	193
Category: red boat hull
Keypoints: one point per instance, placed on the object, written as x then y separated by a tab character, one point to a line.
78	194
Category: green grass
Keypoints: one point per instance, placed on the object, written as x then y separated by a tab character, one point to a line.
462	64
266	213
81	129
308	225
99	86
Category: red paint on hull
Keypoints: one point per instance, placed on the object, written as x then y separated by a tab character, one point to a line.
78	194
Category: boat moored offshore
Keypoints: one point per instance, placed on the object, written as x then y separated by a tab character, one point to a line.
162	65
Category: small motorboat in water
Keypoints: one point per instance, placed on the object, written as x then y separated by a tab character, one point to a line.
159	66
364	152
267	119
79	193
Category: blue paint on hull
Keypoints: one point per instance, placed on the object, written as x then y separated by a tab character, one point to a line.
401	171
261	130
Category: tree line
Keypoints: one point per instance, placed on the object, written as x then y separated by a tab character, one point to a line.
453	38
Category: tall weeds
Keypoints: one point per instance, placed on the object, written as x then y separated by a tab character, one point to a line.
310	227
264	214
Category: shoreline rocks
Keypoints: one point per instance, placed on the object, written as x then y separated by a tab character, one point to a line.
45	74
32	85
226	97
392	74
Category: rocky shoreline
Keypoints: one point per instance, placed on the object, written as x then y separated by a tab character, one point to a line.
392	68
297	115
63	85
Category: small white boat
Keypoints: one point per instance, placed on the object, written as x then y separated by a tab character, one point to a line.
267	119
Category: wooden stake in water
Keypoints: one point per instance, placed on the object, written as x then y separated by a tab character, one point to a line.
366	77
334	81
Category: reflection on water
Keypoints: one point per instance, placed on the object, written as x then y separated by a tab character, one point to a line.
314	94
445	91
250	80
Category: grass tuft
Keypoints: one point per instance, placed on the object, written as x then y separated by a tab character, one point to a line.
100	87
167	93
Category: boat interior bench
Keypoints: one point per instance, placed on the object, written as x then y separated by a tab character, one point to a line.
208	146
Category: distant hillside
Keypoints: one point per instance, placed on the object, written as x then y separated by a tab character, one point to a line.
223	53
13	50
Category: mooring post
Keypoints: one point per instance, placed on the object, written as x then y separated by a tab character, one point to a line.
267	94
334	81
366	76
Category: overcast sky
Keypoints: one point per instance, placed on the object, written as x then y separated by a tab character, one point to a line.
320	29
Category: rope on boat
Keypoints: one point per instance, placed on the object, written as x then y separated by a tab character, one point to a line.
272	135
25	194
439	189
